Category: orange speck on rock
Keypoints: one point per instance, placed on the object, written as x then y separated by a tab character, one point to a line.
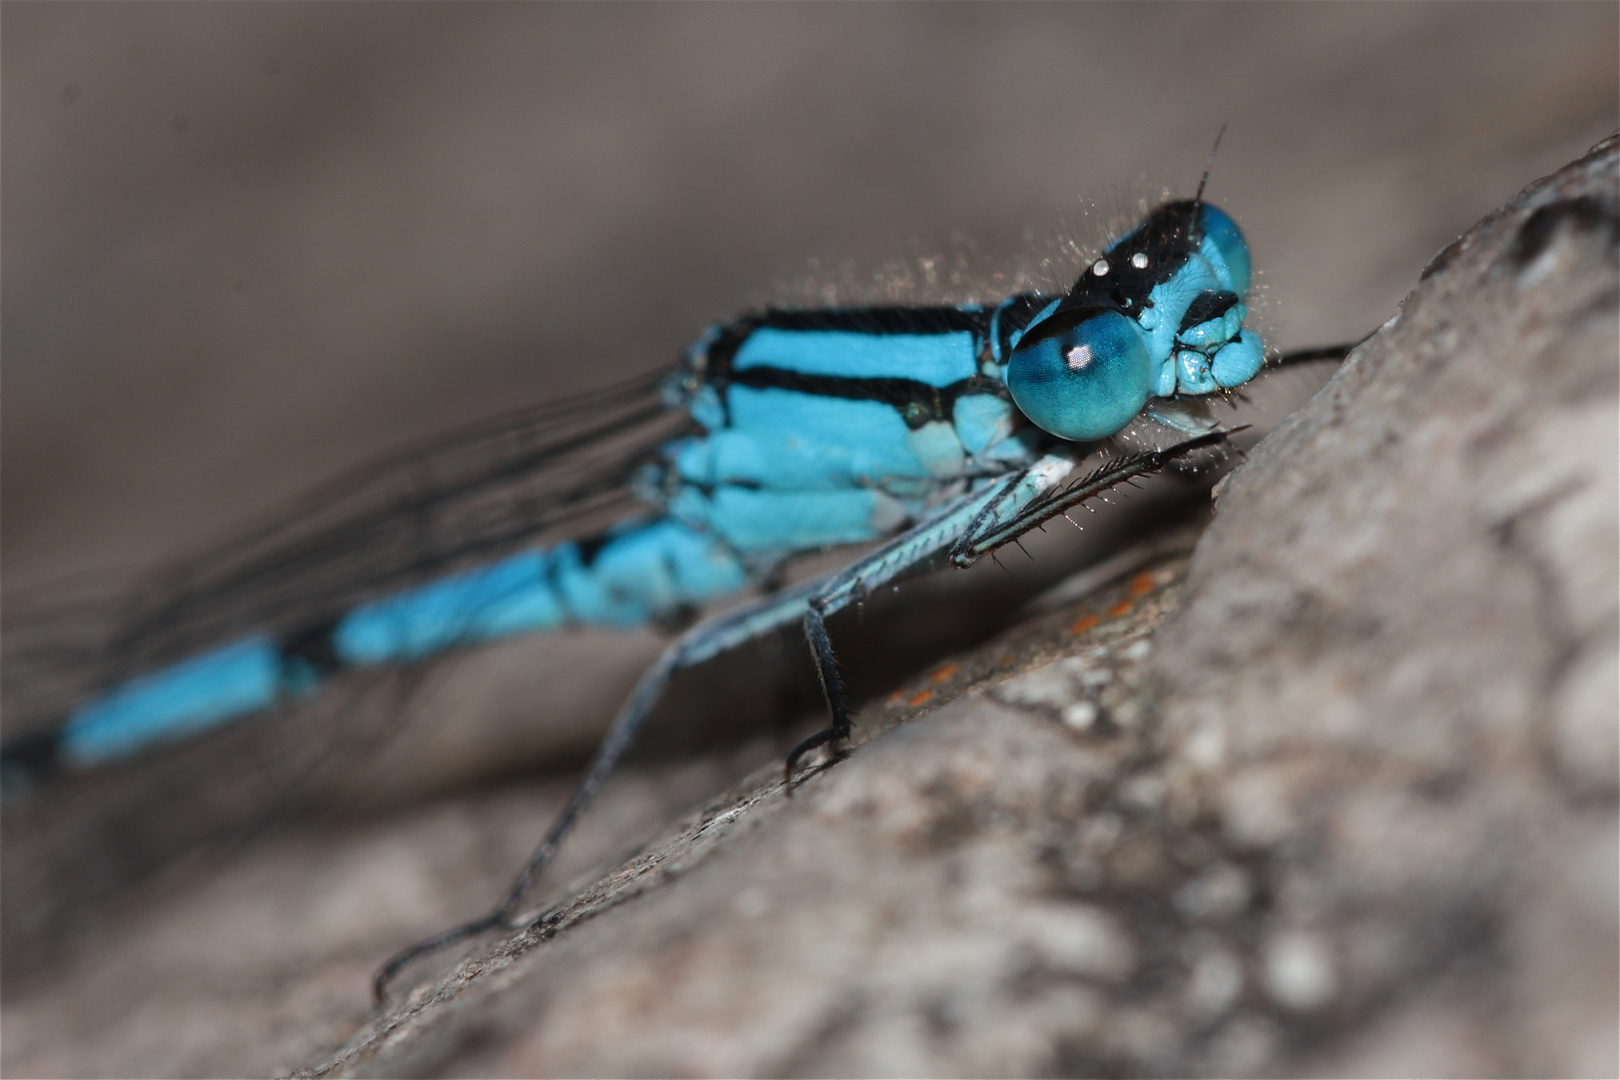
920	697
1141	585
944	672
1084	623
1121	608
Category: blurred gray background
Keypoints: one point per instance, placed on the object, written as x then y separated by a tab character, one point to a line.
247	245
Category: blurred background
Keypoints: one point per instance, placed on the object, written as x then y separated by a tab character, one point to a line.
247	246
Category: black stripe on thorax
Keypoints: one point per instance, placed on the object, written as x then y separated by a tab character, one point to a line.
721	353
868	320
917	402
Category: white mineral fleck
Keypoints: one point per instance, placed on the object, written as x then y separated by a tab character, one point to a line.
1299	971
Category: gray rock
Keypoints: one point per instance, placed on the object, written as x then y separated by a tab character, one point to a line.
1337	796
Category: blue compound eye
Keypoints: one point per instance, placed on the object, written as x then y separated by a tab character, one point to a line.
1081	375
1223	232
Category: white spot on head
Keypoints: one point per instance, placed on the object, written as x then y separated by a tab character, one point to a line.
1078	358
1140	260
1100	267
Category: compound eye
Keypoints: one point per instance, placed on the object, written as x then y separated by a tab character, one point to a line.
1081	379
1224	233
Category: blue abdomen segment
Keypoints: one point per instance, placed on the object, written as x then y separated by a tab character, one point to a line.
634	575
631	575
176	701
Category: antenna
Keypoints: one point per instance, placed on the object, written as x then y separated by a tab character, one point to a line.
1208	165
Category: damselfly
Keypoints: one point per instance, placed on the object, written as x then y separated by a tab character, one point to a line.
933	431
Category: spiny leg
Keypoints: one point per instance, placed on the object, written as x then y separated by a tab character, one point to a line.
995	530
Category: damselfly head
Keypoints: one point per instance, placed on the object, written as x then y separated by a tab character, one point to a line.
1159	314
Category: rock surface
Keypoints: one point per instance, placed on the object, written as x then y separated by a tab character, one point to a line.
1337	796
